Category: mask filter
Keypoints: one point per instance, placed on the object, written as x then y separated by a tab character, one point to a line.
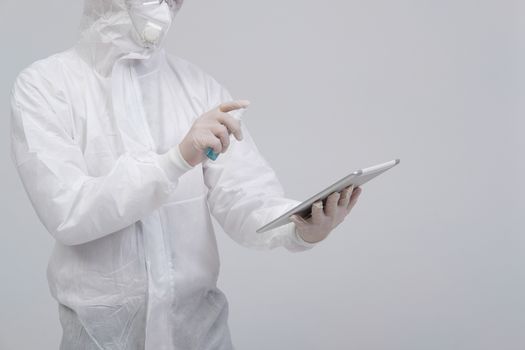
151	19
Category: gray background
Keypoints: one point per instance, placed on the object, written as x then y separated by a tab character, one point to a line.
433	255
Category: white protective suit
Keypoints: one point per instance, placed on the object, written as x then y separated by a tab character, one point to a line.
94	131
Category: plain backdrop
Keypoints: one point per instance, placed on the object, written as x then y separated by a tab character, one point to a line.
433	256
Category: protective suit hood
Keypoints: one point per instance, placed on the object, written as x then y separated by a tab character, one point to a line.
109	31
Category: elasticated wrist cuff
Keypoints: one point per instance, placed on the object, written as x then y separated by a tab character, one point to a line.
173	163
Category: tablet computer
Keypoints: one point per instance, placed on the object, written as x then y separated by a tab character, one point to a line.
357	178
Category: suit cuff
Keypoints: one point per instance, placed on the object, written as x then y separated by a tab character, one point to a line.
173	164
300	241
294	242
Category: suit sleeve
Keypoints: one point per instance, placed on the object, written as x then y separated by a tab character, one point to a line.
75	207
245	193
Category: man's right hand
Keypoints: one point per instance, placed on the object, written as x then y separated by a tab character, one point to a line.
212	129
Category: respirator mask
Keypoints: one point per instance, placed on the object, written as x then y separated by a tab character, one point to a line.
151	19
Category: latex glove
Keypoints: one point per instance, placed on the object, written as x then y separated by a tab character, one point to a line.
212	129
323	220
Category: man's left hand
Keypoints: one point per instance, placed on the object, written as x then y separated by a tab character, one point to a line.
324	220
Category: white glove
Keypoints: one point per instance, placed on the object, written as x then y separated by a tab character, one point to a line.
212	130
317	227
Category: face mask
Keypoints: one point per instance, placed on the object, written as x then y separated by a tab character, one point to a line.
151	19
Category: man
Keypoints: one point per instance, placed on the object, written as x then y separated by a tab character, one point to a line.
109	139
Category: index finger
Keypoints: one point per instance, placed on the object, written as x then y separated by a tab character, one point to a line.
233	105
232	124
317	212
